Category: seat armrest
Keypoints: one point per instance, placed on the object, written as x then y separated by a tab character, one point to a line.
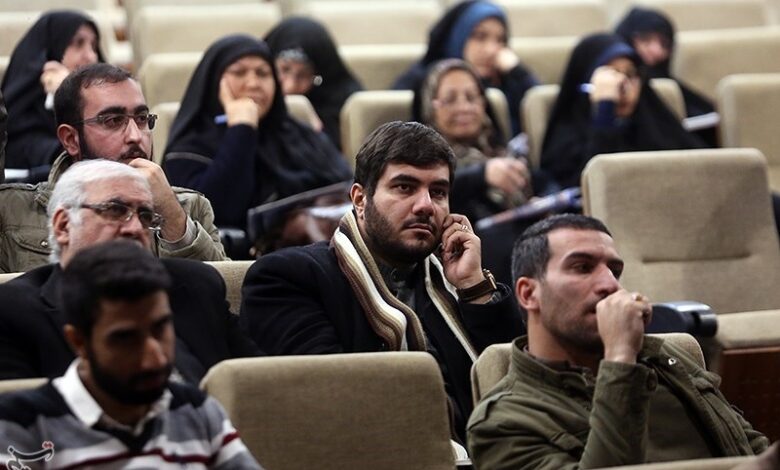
694	318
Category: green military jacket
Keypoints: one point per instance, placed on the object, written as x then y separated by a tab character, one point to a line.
24	233
541	418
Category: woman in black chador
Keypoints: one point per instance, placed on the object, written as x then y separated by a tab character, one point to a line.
58	43
606	105
233	140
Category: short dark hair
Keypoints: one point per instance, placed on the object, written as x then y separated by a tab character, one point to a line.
68	101
115	270
531	252
400	142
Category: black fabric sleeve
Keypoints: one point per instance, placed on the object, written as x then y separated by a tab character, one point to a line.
494	322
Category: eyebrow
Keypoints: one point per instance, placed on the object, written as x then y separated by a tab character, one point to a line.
122	110
581	255
404	178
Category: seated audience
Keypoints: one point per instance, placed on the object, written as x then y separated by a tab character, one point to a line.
606	105
308	63
101	113
96	201
652	36
234	141
477	32
114	406
57	44
401	272
586	388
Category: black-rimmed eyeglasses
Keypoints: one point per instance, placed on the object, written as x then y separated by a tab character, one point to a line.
115	122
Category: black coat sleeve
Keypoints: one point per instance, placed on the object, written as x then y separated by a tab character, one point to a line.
498	321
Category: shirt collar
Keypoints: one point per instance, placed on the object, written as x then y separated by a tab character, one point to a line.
89	412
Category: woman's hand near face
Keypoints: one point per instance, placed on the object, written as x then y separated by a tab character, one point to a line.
510	175
52	75
607	84
238	110
506	60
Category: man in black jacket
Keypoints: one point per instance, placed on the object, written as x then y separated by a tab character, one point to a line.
400	273
97	201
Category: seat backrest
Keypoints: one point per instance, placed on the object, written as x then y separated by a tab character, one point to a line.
176	28
5	277
233	273
712	14
132	7
538	102
748	105
398	22
545	57
535	18
690	224
364	111
15	385
703	58
364	410
164	77
14	25
493	364
720	463
378	65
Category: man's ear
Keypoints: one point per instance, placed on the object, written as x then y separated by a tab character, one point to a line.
69	138
358	196
527	293
76	340
60	226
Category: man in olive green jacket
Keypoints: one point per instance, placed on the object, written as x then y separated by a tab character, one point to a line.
586	388
101	113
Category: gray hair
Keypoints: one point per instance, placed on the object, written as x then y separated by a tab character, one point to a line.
70	191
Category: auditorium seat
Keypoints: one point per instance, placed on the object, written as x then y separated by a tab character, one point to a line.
703	58
698	225
721	463
539	18
132	7
14	385
164	77
545	57
177	28
233	273
397	22
539	100
748	105
14	25
712	14
365	410
364	111
5	277
493	364
378	65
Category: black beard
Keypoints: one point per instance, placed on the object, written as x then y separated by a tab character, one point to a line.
88	153
125	392
380	240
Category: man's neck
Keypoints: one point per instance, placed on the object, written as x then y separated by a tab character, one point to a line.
543	345
128	415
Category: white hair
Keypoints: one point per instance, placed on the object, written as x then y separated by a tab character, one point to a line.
70	191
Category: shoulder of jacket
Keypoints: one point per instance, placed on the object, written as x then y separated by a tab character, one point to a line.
486	407
186	192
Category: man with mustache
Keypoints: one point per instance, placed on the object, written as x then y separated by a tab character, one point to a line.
93	202
101	113
115	406
400	273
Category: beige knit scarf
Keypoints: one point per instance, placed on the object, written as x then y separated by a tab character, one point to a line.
390	318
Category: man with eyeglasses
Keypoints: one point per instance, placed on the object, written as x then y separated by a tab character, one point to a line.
101	113
93	202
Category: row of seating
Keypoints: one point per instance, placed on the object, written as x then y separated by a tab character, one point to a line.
157	26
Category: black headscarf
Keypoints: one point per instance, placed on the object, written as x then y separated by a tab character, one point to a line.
338	83
640	21
446	40
571	139
291	158
32	138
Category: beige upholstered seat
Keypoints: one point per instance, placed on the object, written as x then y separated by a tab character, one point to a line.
14	385
363	411
5	277
14	25
364	111
378	65
545	57
298	106
158	29
723	463
493	364
398	22
164	77
712	14
538	102
132	7
748	105
698	225
233	273
538	18
703	58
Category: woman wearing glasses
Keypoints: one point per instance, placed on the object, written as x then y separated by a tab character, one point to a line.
234	141
308	63
58	43
605	106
